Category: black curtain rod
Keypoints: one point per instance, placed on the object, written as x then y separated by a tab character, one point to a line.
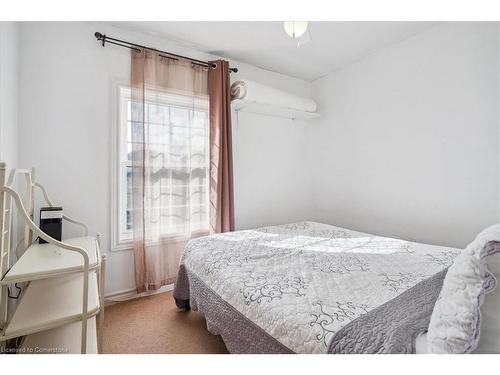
137	47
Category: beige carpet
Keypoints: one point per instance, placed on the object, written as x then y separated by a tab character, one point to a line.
155	325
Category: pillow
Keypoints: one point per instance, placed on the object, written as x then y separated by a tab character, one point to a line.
489	341
456	319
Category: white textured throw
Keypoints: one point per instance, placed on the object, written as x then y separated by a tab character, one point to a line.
455	321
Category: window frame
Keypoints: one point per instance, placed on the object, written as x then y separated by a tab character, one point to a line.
121	241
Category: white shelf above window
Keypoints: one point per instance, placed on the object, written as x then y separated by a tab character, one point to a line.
272	110
46	260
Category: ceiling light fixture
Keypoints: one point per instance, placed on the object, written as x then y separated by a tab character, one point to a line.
295	29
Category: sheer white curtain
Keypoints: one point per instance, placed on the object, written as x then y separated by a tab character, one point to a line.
169	152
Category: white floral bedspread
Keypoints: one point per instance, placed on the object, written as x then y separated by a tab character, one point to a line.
302	282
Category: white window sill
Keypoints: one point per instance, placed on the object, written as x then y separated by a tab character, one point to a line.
128	245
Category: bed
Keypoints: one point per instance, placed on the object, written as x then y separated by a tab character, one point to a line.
312	288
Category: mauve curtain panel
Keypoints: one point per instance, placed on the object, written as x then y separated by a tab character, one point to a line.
221	154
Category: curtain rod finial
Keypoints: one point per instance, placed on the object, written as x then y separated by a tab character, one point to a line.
101	37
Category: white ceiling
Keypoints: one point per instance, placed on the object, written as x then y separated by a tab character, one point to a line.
331	45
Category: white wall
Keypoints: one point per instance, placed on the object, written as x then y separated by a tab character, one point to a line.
271	174
66	86
9	39
408	142
9	74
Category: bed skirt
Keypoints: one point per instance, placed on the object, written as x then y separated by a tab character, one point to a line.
239	334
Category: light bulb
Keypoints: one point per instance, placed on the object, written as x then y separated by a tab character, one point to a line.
295	29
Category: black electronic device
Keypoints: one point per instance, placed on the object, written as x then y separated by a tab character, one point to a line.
51	222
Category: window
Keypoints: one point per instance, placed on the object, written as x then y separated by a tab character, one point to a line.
178	144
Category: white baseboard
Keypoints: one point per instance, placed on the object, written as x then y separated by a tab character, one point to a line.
130	294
